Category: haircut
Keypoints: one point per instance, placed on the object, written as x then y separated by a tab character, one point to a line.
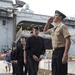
22	37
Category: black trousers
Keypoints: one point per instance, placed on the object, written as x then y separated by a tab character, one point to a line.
26	69
32	66
14	68
20	66
58	68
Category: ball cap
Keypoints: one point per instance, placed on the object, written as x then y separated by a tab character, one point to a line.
36	27
60	13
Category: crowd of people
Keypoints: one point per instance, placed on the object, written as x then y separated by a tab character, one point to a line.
28	53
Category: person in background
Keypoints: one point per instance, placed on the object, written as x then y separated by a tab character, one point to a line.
21	56
25	59
60	42
13	54
35	50
7	61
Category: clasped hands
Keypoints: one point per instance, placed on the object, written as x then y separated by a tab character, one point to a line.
37	59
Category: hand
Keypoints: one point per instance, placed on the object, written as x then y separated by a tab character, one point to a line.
13	61
25	61
64	59
16	61
41	57
50	20
35	58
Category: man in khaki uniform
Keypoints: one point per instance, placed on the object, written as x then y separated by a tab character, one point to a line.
60	43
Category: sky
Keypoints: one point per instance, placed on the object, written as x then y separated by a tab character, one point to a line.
48	7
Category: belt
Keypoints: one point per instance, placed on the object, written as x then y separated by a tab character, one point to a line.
57	48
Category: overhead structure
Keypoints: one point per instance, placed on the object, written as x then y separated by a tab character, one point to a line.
20	3
7	0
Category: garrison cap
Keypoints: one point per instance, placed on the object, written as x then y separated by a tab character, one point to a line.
61	14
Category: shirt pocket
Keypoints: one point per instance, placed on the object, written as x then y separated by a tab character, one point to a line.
57	33
58	36
52	33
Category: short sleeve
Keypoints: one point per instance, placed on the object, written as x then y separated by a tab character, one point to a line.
65	31
49	31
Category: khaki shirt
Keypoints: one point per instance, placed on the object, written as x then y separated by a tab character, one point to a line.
59	33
